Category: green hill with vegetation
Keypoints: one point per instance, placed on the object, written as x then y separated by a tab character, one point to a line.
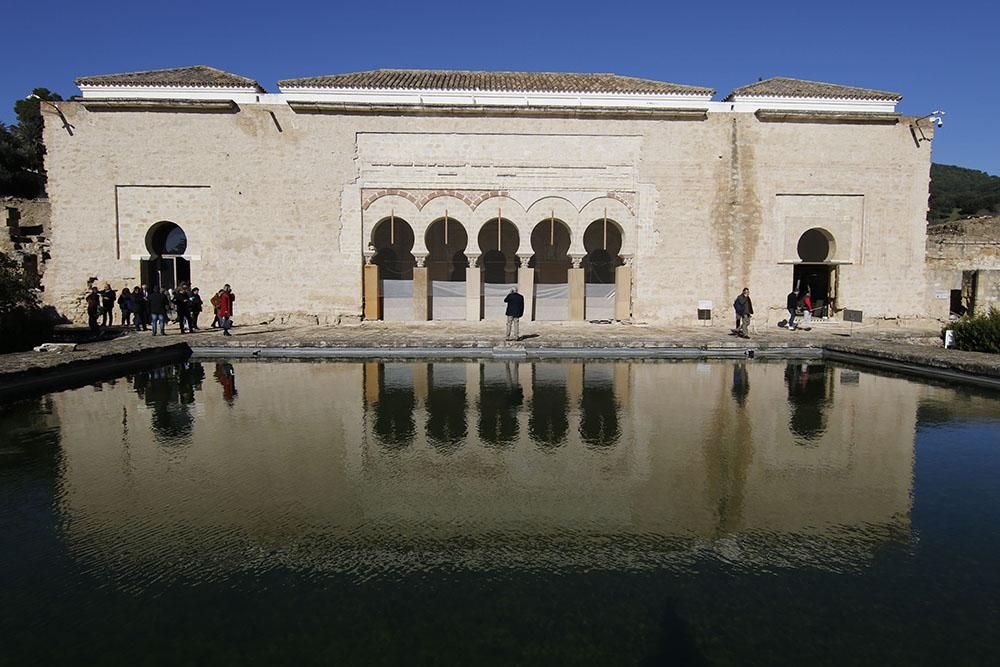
957	192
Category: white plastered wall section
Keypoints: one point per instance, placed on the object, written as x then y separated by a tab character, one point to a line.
541	175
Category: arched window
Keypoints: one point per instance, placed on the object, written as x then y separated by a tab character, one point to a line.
166	238
166	266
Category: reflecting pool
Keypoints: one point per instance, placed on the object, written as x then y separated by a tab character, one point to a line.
450	512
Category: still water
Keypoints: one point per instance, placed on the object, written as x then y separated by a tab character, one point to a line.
549	513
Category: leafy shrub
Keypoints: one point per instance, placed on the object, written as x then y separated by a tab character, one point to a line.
980	333
23	323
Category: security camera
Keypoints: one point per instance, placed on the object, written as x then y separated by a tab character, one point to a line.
940	122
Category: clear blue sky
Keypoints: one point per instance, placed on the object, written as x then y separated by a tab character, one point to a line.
937	54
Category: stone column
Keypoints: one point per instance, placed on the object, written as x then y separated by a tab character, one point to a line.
473	290
421	291
421	382
526	286
373	306
577	291
623	290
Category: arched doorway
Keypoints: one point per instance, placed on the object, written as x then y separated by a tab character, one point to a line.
166	267
550	241
498	241
392	238
815	273
603	242
446	264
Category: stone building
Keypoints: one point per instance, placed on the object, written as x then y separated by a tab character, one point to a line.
416	195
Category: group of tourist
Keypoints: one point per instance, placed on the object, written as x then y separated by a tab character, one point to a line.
142	308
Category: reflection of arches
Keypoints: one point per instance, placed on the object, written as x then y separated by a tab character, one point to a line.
393	425
499	403
499	241
599	409
446	427
602	241
392	238
547	422
446	241
808	396
550	241
816	245
166	267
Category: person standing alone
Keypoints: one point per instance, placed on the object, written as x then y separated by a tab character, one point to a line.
225	310
744	311
515	309
93	306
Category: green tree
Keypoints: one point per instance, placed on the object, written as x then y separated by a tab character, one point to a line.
23	323
22	152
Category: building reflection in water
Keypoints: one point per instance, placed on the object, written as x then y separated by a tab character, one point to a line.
599	408
446	420
380	456
548	421
810	390
169	392
393	404
500	400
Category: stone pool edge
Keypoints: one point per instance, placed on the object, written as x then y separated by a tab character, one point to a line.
913	360
77	372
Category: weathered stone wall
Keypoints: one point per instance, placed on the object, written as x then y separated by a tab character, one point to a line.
964	246
281	204
26	235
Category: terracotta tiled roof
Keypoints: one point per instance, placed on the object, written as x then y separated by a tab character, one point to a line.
420	79
785	87
201	76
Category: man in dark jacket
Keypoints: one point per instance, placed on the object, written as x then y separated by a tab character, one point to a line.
108	305
744	310
792	303
157	304
515	309
93	306
182	301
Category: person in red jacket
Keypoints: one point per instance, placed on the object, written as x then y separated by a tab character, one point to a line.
226	309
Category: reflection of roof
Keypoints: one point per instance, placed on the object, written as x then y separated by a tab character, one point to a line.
197	76
786	87
422	79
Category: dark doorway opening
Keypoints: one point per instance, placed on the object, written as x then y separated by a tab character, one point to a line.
818	280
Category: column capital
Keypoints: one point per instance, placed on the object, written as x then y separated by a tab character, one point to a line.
576	260
369	256
421	258
473	259
628	259
523	258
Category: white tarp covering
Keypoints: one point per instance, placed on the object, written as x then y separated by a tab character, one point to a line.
447	300
552	302
493	306
397	300
600	301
